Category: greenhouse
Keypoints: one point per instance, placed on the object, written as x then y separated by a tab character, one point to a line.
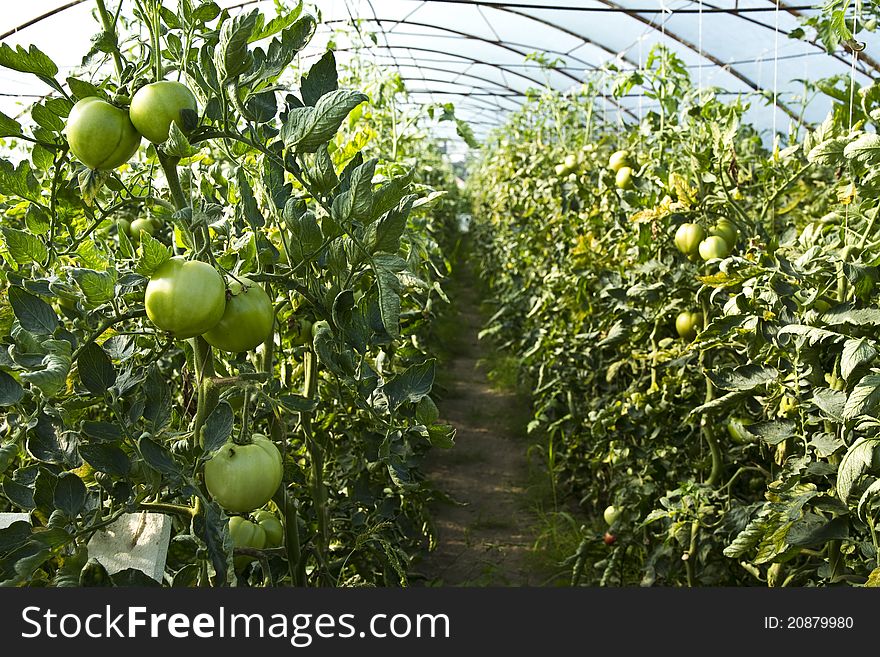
440	293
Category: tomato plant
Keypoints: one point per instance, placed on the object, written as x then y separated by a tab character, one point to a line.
313	187
742	454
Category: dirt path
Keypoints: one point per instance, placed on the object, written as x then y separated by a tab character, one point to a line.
484	530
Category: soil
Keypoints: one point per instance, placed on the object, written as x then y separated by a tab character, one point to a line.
484	527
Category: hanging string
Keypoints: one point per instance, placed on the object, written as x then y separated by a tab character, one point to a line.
775	73
641	38
852	69
852	90
700	44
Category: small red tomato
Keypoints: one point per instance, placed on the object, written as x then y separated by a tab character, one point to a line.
609	538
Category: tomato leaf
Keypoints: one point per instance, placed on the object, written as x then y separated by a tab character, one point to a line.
307	128
55	368
70	494
855	354
99	287
95	369
33	60
159	458
11	391
24	247
853	464
106	458
320	80
864	398
217	429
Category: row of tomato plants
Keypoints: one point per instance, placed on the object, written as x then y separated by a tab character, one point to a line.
219	272
696	315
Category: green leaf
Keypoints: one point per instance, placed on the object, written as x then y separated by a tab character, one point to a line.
870	493
95	369
865	150
276	25
159	458
320	80
389	299
218	428
82	89
814	530
773	432
104	432
411	385
56	366
830	402
106	458
70	494
855	354
854	317
151	255
19	180
357	201
9	127
853	464
211	526
231	56
307	128
24	247
33	60
864	398
743	378
442	435
297	403
99	287
11	391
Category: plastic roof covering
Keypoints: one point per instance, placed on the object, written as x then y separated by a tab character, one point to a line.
474	53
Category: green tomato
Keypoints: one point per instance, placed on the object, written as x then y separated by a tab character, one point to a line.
247	320
185	298
618	160
242	478
156	105
688	238
123	226
736	427
611	514
688	324
623	179
246	534
570	162
725	229
714	247
270	524
136	226
101	135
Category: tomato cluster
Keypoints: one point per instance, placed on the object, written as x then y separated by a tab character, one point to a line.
103	136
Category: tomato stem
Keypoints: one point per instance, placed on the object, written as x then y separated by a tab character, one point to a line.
706	427
316	453
208	394
110	28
